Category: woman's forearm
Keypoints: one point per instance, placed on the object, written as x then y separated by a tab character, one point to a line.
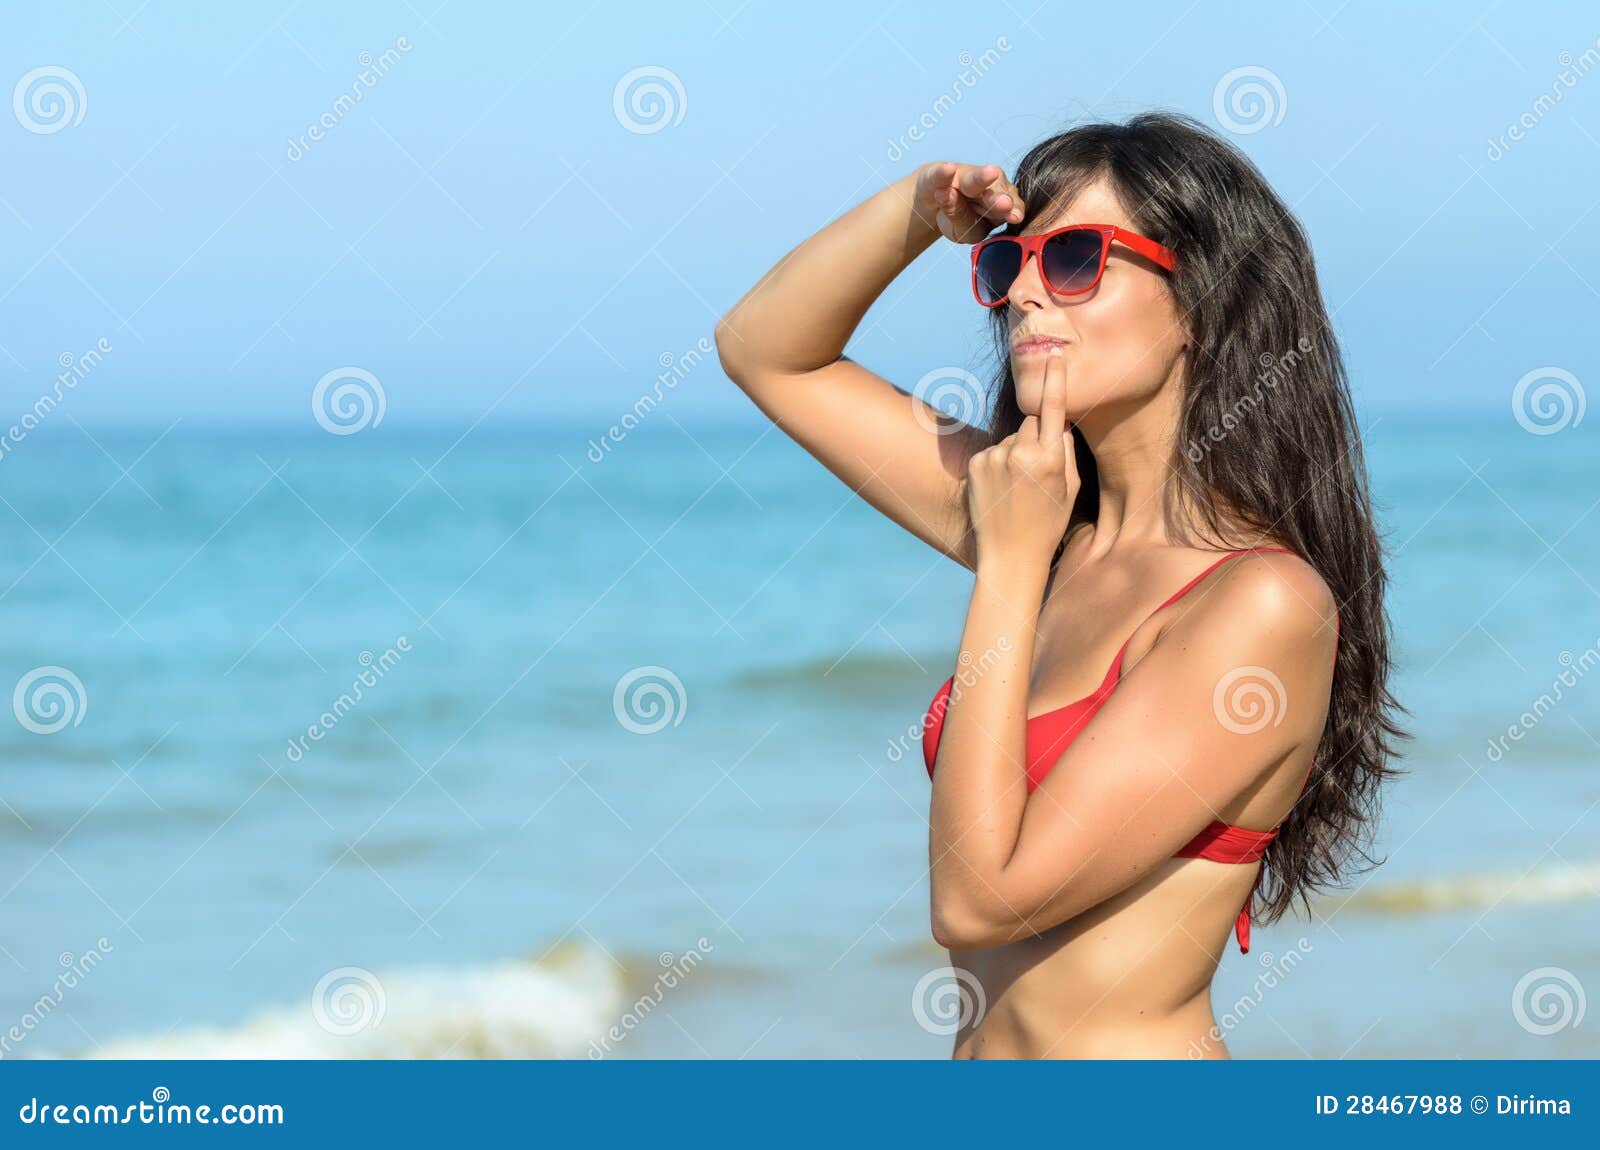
980	779
800	315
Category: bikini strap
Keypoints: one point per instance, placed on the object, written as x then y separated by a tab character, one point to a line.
1198	579
1116	663
1241	924
1114	672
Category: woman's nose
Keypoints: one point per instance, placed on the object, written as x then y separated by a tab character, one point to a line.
1028	290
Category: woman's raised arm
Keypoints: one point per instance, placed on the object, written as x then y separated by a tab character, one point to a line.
784	342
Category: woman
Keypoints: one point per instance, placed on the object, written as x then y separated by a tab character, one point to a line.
1173	669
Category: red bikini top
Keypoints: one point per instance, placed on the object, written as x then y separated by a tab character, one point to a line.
1050	734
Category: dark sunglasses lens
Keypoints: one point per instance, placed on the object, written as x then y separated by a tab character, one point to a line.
1072	260
999	264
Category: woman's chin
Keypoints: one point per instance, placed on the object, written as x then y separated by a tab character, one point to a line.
1030	404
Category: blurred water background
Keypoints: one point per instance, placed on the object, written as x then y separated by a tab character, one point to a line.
647	715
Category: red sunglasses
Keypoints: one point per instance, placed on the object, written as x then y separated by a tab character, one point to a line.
1071	259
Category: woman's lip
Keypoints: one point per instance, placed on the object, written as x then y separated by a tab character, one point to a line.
1036	343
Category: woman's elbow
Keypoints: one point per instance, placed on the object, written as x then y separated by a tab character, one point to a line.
732	351
966	920
959	925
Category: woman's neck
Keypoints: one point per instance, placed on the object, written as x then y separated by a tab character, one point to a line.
1133	456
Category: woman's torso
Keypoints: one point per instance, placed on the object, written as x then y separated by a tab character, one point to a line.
1131	977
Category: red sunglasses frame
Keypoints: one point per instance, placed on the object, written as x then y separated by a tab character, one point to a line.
1033	247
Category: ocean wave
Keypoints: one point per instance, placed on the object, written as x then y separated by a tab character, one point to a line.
401	850
554	1008
1545	885
848	674
916	951
1568	883
138	819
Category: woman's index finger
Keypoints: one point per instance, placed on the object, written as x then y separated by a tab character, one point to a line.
1053	407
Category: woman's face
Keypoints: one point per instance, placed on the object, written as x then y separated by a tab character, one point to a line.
1119	342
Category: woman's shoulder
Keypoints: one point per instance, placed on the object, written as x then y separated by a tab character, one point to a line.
1267	598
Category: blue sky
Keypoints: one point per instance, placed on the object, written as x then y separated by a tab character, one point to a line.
484	234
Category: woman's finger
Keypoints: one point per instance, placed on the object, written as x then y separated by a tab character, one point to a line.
1001	201
1019	208
1053	407
975	180
998	204
972	198
958	206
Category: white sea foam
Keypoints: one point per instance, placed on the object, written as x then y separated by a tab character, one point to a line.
1544	885
508	1010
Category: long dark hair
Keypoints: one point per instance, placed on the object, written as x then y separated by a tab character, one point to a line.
1267	445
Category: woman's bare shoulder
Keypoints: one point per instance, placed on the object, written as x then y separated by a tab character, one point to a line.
1267	603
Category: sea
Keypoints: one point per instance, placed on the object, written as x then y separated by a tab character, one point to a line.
564	741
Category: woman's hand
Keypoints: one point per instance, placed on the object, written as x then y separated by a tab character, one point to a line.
1020	492
966	201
